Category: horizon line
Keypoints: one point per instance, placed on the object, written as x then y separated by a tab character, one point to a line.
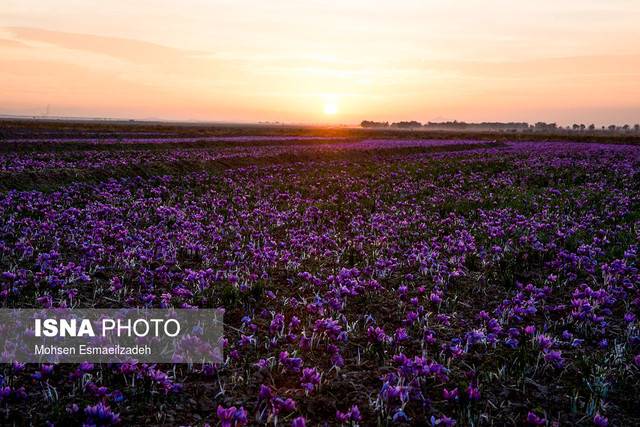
4	116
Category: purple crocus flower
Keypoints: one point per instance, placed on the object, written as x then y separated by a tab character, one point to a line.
600	421
473	392
290	363
554	357
443	421
353	414
299	422
450	394
231	417
310	379
377	335
535	420
400	417
5	392
265	393
545	341
101	414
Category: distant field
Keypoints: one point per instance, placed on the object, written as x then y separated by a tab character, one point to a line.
369	277
48	130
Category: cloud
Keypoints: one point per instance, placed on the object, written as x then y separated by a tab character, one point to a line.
7	43
138	59
588	65
135	51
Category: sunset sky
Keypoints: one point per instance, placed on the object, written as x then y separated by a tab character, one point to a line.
323	61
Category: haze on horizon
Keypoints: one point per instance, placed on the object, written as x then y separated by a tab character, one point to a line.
323	61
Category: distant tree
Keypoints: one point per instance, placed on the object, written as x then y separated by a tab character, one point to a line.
636	128
612	128
406	125
371	124
542	126
625	128
490	126
592	127
582	127
575	126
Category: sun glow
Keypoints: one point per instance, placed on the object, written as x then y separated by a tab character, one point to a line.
330	108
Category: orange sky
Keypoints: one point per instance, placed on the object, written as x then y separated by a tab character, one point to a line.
319	61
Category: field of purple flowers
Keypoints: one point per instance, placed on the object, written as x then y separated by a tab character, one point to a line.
374	282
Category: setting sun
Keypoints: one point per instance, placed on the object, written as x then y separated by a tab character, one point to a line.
330	108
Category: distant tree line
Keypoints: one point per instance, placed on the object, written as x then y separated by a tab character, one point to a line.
499	126
406	125
611	128
454	125
479	126
543	126
371	124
